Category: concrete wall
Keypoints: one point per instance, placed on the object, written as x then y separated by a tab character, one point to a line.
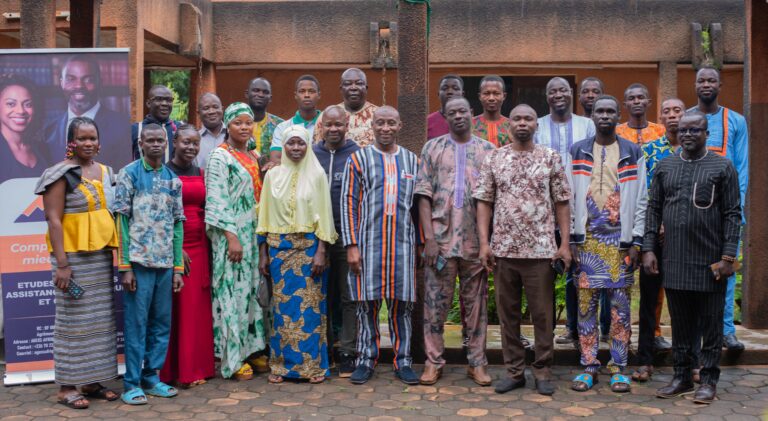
477	31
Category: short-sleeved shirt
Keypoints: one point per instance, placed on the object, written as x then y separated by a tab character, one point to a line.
151	199
524	186
359	125
448	173
296	120
263	131
642	136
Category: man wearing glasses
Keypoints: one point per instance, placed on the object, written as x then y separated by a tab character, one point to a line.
160	104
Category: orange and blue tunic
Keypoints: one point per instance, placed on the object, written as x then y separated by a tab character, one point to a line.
376	204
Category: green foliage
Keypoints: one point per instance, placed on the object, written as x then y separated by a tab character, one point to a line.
706	42
178	82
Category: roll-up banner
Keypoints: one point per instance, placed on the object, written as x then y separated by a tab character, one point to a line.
41	91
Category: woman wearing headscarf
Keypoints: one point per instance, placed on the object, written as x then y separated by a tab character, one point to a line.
77	193
233	186
295	225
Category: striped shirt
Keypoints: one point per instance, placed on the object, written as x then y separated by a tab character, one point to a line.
699	203
376	204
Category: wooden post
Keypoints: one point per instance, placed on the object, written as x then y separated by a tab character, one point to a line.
755	282
84	23
38	24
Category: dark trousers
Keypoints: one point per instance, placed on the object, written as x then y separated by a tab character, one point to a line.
695	315
537	277
650	285
342	311
572	309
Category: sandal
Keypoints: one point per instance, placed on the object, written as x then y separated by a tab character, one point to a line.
260	364
583	382
244	373
643	373
134	396
71	401
620	383
100	392
193	384
317	380
275	379
162	390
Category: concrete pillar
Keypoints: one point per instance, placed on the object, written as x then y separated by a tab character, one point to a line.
667	82
202	80
38	24
130	34
413	65
412	76
755	283
84	23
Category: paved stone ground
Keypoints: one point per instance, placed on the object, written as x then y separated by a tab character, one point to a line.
743	395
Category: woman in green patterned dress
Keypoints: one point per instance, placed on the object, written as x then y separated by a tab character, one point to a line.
233	187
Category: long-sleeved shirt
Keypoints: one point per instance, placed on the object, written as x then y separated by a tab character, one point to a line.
150	215
728	137
699	204
334	162
377	200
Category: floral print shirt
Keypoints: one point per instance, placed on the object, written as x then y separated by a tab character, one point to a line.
524	186
448	173
149	201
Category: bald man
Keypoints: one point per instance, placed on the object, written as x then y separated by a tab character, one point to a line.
380	236
522	191
332	153
212	131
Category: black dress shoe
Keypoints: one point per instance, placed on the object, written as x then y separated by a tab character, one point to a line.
674	389
733	344
705	394
545	387
508	384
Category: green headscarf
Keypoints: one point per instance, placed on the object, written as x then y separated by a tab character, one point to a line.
232	112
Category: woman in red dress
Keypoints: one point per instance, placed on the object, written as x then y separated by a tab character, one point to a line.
190	352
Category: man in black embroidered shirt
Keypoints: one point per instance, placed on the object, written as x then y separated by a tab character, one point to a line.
696	195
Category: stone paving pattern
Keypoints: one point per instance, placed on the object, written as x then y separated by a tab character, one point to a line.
743	395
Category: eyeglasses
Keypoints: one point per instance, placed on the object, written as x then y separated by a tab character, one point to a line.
695	131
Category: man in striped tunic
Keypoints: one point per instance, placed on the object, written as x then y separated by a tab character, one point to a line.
379	234
694	189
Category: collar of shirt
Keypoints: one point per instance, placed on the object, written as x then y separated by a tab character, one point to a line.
148	167
298	119
205	132
706	152
90	113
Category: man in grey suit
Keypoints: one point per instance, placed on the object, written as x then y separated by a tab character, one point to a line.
81	84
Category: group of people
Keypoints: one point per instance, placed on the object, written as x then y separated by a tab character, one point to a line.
268	243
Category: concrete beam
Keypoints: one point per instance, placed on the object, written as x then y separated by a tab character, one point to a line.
84	23
38	24
667	82
130	34
755	283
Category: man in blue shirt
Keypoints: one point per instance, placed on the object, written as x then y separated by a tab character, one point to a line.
728	137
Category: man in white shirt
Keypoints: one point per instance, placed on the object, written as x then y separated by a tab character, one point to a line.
307	97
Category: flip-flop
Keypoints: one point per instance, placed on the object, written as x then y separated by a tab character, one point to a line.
69	401
618	380
317	380
134	396
102	393
162	390
275	379
586	379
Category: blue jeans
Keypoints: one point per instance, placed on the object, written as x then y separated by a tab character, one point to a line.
147	314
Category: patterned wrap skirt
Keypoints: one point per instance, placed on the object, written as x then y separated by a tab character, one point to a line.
298	345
